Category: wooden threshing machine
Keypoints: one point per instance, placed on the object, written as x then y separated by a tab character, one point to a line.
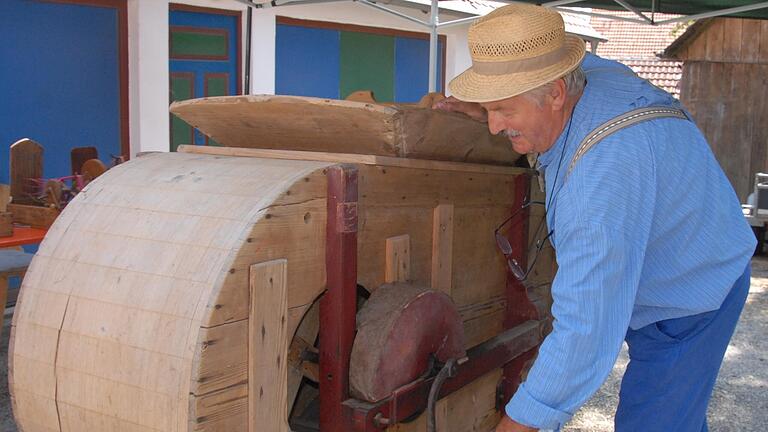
327	269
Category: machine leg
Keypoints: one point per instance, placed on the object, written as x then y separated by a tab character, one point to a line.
519	306
338	305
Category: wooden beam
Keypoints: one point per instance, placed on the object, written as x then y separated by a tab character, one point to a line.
353	158
268	347
398	259
442	248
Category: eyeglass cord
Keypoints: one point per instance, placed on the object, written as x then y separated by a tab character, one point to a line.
554	183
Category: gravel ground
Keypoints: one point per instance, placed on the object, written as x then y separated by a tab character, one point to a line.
739	402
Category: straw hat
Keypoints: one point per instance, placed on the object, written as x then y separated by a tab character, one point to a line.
514	49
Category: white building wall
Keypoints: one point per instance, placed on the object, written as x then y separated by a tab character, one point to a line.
148	53
148	75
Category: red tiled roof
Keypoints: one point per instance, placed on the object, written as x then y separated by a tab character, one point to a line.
634	40
662	73
638	45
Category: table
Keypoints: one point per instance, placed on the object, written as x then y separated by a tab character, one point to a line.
12	263
22	236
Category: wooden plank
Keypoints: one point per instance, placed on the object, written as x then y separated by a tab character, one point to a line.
6	224
292	227
33	215
221	359
26	160
305	337
75	418
732	39
128	403
697	49
336	126
398	259
750	45
223	411
42	412
268	347
5	195
6	218
715	37
442	268
365	159
763	50
442	248
472	408
221	356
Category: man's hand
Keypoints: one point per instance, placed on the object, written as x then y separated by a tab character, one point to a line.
508	425
472	109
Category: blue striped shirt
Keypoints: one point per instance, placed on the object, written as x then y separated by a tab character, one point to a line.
646	228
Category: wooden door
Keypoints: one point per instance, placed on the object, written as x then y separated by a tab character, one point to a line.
204	60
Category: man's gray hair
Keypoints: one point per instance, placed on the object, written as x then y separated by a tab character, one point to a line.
574	84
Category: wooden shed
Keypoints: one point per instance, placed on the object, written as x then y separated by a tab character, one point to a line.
724	86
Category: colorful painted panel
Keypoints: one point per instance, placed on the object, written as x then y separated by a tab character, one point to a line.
216	84
61	80
199	43
307	61
205	61
182	88
324	59
367	63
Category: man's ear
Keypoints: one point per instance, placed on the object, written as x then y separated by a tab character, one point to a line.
558	94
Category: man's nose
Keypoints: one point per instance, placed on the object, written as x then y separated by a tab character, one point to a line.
495	125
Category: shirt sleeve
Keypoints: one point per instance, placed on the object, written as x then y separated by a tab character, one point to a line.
593	294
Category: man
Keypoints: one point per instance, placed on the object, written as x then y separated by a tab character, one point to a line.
651	244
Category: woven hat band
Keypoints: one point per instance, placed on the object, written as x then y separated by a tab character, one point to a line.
525	65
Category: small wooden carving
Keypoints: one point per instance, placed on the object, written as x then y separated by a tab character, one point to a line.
26	166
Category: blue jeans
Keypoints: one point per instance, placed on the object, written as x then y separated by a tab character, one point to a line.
673	365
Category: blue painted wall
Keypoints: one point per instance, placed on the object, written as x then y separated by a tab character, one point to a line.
412	68
307	61
59	80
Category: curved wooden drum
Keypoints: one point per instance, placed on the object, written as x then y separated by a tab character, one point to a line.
135	313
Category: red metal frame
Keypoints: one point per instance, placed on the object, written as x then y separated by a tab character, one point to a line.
411	399
512	349
519	306
338	306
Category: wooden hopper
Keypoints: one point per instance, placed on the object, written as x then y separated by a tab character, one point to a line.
342	126
140	308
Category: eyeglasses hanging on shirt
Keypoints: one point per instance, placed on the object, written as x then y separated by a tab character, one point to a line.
506	248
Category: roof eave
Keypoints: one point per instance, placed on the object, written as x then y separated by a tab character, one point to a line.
688	36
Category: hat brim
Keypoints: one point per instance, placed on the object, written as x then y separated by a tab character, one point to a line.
470	86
